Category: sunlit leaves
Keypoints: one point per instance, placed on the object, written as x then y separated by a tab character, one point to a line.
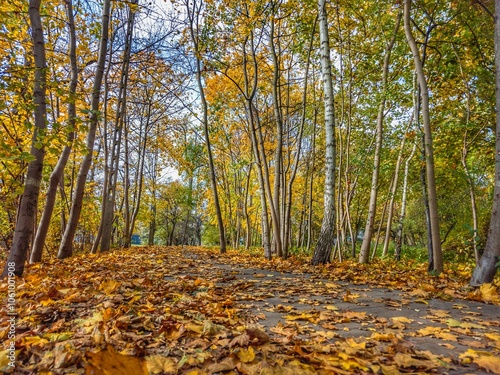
186	310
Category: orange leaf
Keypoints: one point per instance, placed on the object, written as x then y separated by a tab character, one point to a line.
110	362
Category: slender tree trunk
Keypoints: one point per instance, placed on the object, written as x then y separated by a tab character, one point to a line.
105	146
58	173
311	184
341	211
249	92
399	232
193	15
28	204
379	230
372	206
429	160
394	188
326	238
66	248
110	193
246	214
126	191
278	160
288	205
473	204
485	270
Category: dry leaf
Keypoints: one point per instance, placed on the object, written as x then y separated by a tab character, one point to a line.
489	363
246	355
157	364
110	362
489	293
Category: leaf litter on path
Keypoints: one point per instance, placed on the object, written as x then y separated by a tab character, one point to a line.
178	310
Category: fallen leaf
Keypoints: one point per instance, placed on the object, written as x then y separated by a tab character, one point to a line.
489	293
227	364
457	323
241	340
489	363
157	364
401	319
246	355
110	362
255	334
109	286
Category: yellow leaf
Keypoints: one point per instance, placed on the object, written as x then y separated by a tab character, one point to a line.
4	359
195	372
428	331
489	293
246	355
109	362
489	363
404	360
96	318
304	316
62	336
493	336
298	368
457	323
421	301
446	336
194	327
331	307
401	319
389	370
34	340
109	286
157	364
387	337
471	355
353	344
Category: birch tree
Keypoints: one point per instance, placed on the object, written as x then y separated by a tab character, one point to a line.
326	238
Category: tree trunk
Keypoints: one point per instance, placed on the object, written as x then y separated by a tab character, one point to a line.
326	238
110	193
249	91
193	15
58	173
429	160
288	205
485	270
278	160
399	233
246	214
394	188
311	184
28	204
372	206
127	235
66	248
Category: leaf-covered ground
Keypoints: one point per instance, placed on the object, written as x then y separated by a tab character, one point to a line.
177	310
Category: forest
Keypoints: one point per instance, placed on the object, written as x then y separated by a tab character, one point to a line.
333	130
266	187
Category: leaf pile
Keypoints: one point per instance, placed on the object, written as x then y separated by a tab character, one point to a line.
184	311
